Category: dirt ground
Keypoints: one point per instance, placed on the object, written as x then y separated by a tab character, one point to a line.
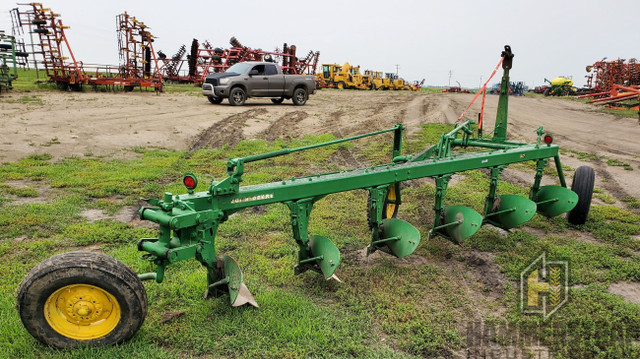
89	123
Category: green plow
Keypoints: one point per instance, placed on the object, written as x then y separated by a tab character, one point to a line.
188	223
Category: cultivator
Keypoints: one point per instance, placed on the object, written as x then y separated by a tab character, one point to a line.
171	68
603	75
11	55
138	64
188	223
205	59
612	82
52	45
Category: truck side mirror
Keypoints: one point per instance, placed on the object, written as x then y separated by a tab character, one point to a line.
253	72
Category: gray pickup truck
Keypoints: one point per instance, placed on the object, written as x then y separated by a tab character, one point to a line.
257	79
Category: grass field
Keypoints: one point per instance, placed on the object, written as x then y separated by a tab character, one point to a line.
383	308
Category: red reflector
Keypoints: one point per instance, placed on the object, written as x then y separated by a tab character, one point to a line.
189	182
548	139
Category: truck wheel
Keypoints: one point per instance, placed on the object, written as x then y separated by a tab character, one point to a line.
547	92
342	85
277	100
81	298
237	96
582	184
214	100
300	96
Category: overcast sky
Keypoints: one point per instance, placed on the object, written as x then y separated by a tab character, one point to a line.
427	39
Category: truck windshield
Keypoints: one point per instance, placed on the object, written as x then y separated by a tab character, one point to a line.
239	68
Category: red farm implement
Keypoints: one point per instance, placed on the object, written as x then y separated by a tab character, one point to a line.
204	59
613	82
138	64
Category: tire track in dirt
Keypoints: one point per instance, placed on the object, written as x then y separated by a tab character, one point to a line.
333	123
228	131
343	156
284	126
610	184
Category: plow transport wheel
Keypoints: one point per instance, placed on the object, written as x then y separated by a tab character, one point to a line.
391	202
81	298
582	184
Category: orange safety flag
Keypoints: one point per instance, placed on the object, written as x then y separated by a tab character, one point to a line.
482	89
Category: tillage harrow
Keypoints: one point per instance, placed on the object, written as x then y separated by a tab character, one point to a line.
89	298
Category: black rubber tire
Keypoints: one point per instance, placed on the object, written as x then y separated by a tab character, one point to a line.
79	267
128	88
237	96
300	96
341	85
277	100
582	184
547	92
214	100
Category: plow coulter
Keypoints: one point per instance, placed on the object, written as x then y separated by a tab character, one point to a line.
87	298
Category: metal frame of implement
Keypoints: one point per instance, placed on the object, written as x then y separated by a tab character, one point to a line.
188	222
87	298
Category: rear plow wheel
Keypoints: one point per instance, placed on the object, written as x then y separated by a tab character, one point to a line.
582	184
391	203
81	298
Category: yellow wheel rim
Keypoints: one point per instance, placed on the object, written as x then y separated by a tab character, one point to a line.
82	311
390	206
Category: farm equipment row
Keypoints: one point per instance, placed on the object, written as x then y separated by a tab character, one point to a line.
138	64
84	298
204	59
603	75
12	54
348	76
613	82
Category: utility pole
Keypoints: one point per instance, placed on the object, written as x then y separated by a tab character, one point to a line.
397	69
480	85
450	73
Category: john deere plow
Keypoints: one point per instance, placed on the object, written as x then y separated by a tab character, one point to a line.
87	298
